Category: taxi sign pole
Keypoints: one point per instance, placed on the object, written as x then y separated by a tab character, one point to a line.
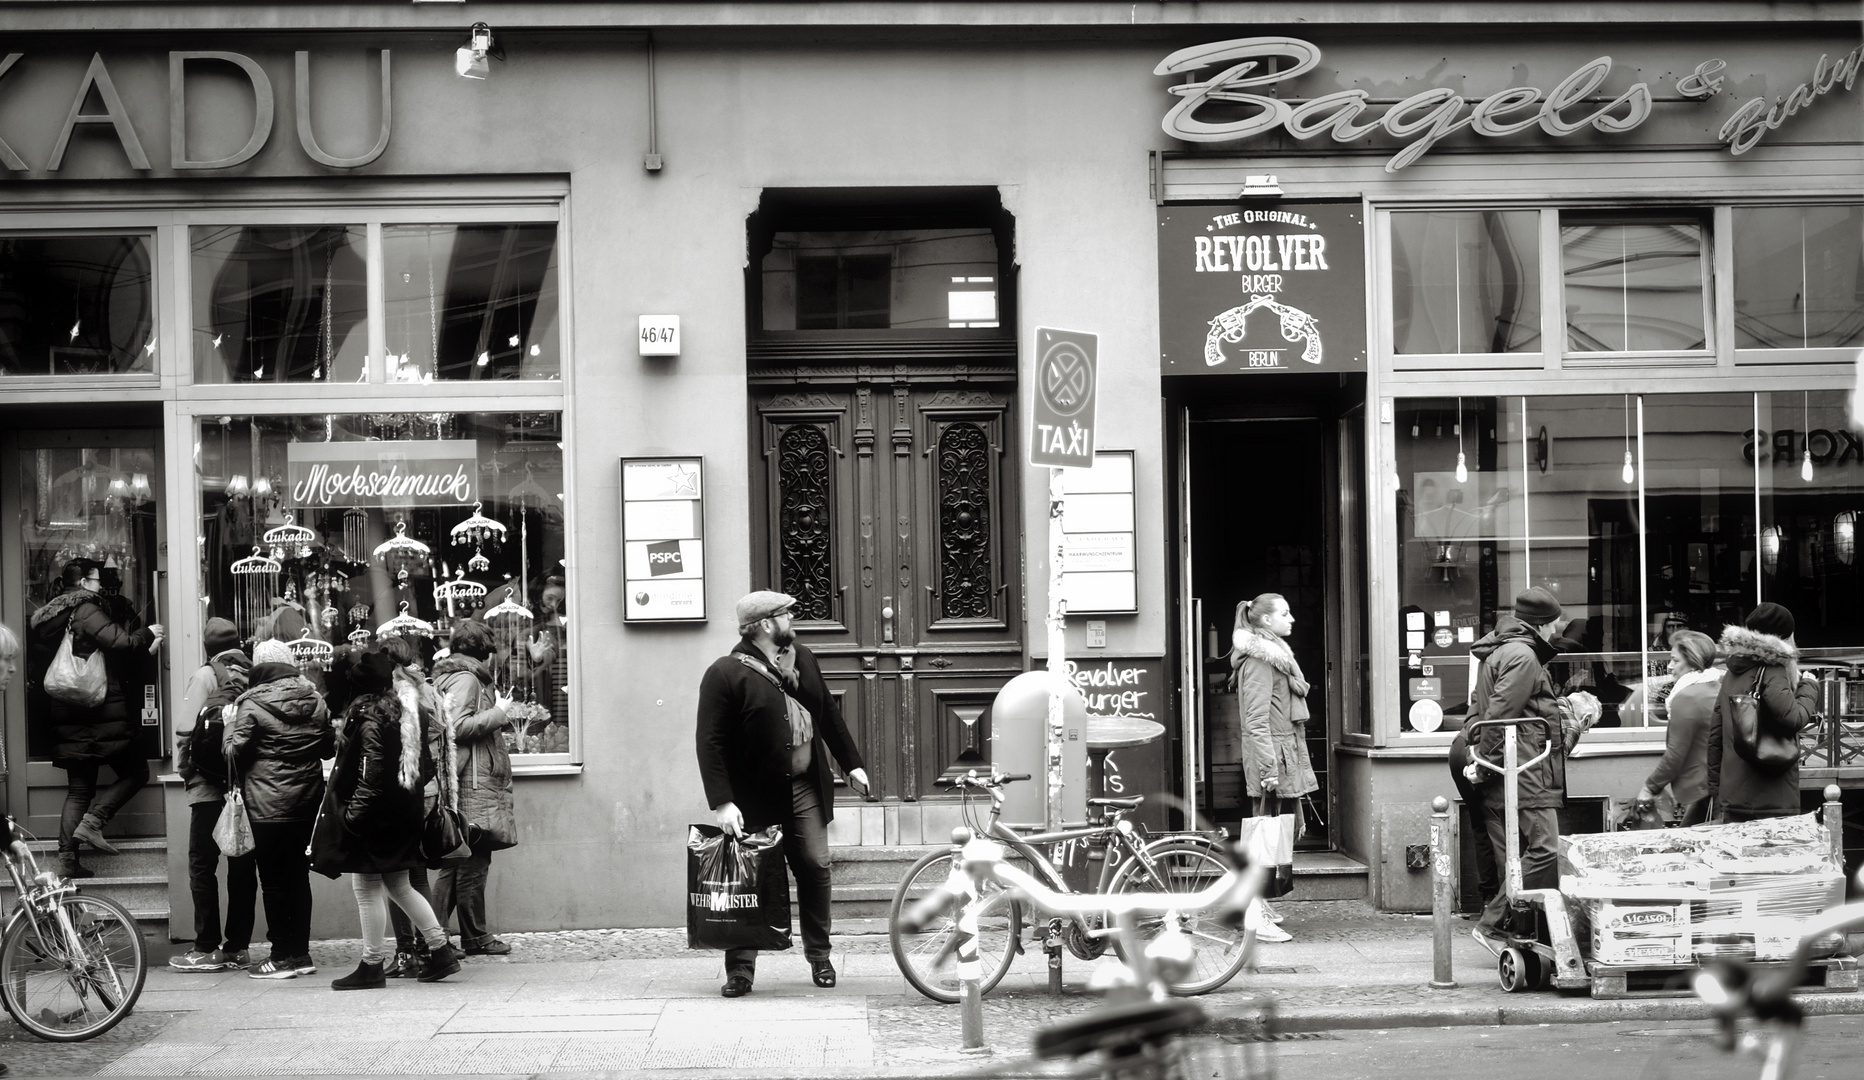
1057	653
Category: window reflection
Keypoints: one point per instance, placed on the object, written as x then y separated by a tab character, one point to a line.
76	305
471	302
882	279
1799	276
1466	281
1699	503
1811	493
280	303
1633	286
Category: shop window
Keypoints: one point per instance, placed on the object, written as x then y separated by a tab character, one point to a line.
885	279
470	302
1811	476
1465	281
331	531
1799	277
280	303
76	305
1634	285
1699	543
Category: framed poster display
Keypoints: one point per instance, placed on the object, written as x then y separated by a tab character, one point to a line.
663	539
1099	575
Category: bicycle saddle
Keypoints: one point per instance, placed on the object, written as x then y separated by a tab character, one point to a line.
1119	804
1115	1025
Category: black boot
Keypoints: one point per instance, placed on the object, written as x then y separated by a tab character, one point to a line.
443	962
401	966
367	976
67	865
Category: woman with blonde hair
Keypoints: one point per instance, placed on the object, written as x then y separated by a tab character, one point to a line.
1691	705
1272	697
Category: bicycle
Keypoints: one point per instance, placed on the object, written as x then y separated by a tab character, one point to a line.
1179	862
71	964
1139	1033
1736	991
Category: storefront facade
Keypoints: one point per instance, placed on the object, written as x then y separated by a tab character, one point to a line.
307	280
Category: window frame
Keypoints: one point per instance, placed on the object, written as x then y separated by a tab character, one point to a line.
158	302
1705	219
1751	357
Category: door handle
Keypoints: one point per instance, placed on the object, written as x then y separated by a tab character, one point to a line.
886	619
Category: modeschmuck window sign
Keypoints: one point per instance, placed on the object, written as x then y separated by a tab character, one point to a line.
383	473
1262	290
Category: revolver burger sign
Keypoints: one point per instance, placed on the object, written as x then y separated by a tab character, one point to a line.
1253	290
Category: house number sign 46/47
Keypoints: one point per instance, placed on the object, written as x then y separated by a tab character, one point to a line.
660	335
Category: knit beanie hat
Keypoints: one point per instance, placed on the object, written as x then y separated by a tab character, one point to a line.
219	636
373	672
271	652
1536	607
1771	619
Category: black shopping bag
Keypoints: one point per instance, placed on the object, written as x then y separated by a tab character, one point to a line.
737	893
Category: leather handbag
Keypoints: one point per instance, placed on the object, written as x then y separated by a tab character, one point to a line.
445	833
1757	741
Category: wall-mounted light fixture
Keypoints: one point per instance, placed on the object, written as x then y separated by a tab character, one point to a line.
1261	186
469	61
1770	548
1845	536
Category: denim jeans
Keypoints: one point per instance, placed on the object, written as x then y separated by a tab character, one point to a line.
82	796
204	885
285	883
373	892
805	848
460	886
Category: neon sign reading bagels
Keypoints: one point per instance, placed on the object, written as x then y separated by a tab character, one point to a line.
1426	118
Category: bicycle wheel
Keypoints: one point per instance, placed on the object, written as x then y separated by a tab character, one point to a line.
1186	866
72	983
917	954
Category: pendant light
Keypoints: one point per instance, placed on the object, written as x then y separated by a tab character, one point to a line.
1462	469
1630	471
1805	462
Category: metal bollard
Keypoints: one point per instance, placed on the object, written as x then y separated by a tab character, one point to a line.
1442	892
970	972
1835	821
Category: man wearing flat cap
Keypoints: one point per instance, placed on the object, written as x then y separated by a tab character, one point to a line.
767	726
1512	683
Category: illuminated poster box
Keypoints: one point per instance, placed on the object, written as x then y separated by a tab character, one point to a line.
663	539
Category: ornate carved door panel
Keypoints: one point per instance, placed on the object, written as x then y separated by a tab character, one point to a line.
888	510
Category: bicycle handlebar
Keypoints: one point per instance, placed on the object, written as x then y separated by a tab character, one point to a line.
988	781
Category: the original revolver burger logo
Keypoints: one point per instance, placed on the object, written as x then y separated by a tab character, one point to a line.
1280	288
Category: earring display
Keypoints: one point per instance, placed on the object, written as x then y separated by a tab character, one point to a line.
257	575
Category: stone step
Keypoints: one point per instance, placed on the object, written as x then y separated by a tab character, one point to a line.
143	855
1329	875
876	865
137	879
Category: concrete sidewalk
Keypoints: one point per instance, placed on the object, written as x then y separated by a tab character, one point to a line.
636	1001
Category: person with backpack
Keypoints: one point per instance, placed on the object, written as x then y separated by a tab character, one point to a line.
1763	661
200	758
95	735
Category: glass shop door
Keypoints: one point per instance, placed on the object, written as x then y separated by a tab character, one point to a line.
80	494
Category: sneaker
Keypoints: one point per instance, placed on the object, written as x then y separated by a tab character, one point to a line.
272	969
1268	931
241	958
1271	914
195	960
302	965
492	947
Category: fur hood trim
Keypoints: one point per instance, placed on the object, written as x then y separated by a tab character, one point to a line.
1253	644
1738	642
411	735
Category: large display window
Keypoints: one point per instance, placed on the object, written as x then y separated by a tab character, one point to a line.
332	531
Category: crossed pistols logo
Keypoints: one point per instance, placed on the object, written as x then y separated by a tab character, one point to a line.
1296	325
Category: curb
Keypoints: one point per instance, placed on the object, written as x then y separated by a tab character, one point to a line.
1582	1011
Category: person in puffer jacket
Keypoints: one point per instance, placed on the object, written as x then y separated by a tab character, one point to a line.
1512	683
476	713
1763	660
276	745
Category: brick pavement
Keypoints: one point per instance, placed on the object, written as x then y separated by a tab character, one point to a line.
637	1002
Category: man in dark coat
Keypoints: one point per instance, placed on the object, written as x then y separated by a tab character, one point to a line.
1511	683
767	725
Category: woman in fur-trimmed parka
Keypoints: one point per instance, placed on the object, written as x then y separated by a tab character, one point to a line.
482	766
1763	660
1272	695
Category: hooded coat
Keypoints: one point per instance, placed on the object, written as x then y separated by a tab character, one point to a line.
1511	683
373	813
481	762
1272	694
235	668
104	731
276	745
1767	667
1684	765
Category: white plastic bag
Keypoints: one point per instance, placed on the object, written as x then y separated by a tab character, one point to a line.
74	681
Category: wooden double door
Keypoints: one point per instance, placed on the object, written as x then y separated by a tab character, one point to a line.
887	505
